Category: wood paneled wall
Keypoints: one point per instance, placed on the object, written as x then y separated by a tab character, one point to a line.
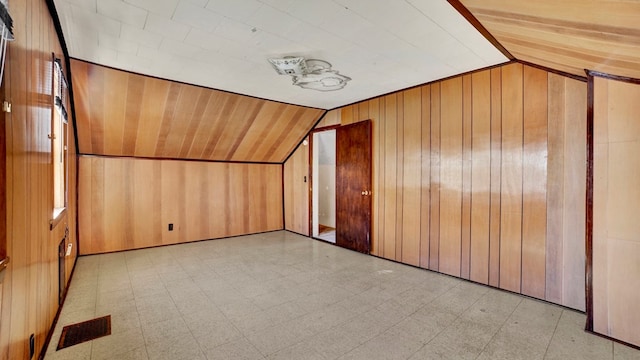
127	203
30	288
482	176
616	205
125	114
296	193
569	36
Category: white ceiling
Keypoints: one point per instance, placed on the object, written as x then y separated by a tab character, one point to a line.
383	45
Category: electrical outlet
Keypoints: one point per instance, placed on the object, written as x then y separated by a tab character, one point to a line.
69	247
170	227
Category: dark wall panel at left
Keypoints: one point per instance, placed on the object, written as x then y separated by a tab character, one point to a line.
29	291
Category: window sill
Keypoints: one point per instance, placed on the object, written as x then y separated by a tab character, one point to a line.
58	215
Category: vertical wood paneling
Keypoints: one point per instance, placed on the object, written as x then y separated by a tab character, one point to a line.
331	118
400	175
390	175
480	176
374	113
147	224
511	186
29	290
465	252
616	203
534	183
575	189
450	176
412	161
202	200
463	172
434	201
496	177
381	190
425	186
555	188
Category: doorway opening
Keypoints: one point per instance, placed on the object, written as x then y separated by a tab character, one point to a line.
323	175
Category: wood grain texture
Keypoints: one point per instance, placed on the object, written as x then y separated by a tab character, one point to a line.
575	189
29	291
476	195
412	172
601	35
616	199
496	177
556	186
400	174
126	114
511	185
296	193
467	119
353	183
450	176
331	118
480	176
425	186
390	176
374	112
534	183
202	200
434	201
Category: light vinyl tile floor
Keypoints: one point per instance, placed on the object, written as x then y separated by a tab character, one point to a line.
279	295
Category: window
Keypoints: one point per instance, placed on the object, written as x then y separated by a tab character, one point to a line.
59	140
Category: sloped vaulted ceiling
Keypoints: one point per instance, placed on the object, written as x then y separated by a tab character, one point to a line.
568	35
124	114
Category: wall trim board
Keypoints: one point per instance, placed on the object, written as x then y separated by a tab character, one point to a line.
589	207
297	233
185	242
77	237
593	73
54	222
613	339
190	84
486	285
176	159
476	24
284	205
304	137
427	83
553	71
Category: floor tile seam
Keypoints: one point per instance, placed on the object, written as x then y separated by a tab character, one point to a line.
449	325
500	328
555	330
248	341
303	339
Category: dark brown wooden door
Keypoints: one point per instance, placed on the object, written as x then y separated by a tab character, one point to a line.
353	186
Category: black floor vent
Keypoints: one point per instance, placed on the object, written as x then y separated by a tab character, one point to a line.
85	331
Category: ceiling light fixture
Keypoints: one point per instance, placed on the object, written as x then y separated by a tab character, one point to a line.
310	74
